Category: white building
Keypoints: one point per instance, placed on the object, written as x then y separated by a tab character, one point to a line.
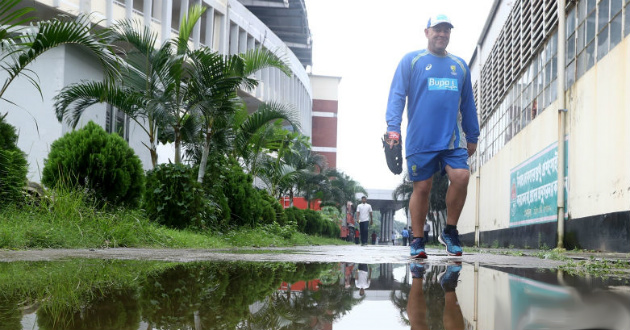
530	65
228	27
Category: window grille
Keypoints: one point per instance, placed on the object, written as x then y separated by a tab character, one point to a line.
551	15
537	23
525	33
509	50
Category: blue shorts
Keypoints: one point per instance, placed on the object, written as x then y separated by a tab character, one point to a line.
423	165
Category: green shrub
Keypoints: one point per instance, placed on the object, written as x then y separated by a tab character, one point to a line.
175	199
101	163
278	210
267	212
243	199
314	222
331	217
295	215
13	165
213	182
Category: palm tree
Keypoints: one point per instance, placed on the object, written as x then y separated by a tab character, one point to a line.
140	93
171	90
154	88
20	46
215	80
342	189
297	169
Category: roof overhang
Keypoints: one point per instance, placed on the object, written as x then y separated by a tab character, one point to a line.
289	21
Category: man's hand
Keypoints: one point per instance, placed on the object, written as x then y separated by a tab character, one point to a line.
472	147
393	139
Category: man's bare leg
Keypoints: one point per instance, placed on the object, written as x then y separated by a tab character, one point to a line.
456	194
419	206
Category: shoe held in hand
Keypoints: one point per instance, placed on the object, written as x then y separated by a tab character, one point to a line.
392	144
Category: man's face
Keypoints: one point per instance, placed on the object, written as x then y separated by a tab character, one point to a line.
363	200
438	37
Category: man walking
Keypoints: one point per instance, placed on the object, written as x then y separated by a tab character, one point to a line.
442	129
364	211
405	236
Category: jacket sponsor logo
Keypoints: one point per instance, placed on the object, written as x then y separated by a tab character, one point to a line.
428	67
443	84
453	70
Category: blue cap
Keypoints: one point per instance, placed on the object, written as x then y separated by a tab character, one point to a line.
439	19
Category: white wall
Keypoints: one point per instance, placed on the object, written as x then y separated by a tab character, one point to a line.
33	115
599	142
598	149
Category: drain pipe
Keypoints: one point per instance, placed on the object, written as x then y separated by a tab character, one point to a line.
477	158
562	111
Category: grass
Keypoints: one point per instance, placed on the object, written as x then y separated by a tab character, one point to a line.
601	268
71	222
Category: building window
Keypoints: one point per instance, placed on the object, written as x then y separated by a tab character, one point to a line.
117	122
587	17
571	47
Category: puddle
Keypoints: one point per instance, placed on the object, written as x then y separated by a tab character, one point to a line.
131	294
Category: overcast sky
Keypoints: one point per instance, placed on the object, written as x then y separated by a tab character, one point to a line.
362	42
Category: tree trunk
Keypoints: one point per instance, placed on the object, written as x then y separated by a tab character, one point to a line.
291	197
204	158
154	155
178	146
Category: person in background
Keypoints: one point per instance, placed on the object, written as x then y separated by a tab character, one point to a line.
393	238
364	214
405	236
373	238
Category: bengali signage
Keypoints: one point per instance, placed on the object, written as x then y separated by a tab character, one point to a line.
534	188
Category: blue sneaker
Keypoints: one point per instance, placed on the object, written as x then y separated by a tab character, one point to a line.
417	270
448	279
451	241
417	249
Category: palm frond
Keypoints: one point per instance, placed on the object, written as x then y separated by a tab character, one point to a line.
74	99
53	33
261	58
186	27
12	19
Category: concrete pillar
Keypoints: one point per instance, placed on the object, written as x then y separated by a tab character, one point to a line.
210	28
148	10
109	12
197	29
183	12
167	18
128	9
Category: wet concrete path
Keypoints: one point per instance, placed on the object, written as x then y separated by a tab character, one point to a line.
346	253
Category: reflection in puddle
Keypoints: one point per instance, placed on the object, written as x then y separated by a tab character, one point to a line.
125	294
